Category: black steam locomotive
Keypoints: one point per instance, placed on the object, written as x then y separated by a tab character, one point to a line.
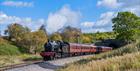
59	49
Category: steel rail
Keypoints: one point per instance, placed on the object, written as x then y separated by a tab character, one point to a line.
3	68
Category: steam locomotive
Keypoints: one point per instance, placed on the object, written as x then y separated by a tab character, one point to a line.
60	49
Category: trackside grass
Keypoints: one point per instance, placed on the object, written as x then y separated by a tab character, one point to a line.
16	59
125	58
117	63
9	60
10	54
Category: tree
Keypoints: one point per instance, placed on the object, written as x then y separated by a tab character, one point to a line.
104	35
28	41
33	41
126	25
86	39
16	31
71	34
55	36
38	40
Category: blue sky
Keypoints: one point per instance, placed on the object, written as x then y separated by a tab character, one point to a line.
41	8
88	15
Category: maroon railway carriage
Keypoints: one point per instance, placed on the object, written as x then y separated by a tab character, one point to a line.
78	49
64	49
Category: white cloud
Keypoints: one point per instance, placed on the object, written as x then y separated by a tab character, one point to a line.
94	30
17	3
133	9
122	5
131	5
87	24
104	23
6	20
109	3
105	19
64	17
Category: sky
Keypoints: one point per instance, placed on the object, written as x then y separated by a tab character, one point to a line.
88	15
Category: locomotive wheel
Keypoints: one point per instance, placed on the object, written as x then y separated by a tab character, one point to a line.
51	57
45	58
54	57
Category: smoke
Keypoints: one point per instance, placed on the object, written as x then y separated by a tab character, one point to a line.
64	17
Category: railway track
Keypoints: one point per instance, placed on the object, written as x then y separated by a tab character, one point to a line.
3	68
57	61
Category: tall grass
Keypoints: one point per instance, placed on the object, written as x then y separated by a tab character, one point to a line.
16	59
9	60
117	63
125	58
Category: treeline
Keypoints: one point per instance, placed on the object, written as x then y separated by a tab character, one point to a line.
98	36
74	35
32	42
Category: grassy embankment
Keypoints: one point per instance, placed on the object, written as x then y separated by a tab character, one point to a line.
10	54
122	59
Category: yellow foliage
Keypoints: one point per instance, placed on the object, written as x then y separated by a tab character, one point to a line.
86	39
55	36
